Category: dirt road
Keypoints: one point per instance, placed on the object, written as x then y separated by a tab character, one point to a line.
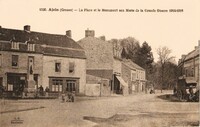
143	110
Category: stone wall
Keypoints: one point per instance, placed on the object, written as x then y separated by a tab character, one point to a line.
99	53
97	86
126	75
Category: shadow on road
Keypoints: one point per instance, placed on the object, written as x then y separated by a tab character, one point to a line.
172	98
152	118
21	110
169	97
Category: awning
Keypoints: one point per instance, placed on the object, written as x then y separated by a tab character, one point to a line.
190	81
122	81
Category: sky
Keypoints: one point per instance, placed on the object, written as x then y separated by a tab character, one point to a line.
179	31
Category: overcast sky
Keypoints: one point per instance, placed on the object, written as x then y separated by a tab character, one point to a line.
178	31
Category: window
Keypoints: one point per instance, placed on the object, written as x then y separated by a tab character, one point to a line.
71	84
15	60
186	72
71	67
31	47
143	75
137	74
57	85
133	75
10	87
57	67
14	45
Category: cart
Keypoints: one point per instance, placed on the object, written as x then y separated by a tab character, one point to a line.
186	89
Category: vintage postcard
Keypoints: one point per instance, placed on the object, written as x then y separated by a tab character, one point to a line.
98	63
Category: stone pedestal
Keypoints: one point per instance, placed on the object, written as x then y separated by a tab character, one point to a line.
31	86
30	91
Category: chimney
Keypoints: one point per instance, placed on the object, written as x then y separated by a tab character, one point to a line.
89	33
183	56
69	33
179	61
27	28
102	38
198	42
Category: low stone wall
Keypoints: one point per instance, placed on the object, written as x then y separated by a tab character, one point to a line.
92	89
98	90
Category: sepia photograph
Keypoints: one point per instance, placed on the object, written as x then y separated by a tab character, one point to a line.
98	63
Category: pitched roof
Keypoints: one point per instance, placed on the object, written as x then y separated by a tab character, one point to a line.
131	64
73	49
192	54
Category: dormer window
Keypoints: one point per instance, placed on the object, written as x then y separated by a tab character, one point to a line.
15	45
31	47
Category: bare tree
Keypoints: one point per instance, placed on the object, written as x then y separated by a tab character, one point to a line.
164	57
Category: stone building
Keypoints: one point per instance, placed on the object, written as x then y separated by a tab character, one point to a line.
103	66
99	64
189	64
134	75
31	59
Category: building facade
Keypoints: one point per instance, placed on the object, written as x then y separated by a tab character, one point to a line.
99	64
104	63
134	75
189	64
31	59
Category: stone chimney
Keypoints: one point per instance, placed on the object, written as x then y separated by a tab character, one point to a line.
102	38
179	61
183	56
69	33
27	28
89	33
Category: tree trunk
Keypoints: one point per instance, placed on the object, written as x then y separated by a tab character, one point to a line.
162	75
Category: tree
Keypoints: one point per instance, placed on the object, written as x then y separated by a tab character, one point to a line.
124	54
130	46
171	75
163	58
145	57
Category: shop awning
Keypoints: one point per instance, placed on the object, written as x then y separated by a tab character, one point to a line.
122	81
191	81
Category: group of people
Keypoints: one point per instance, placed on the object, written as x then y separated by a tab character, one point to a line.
42	92
68	96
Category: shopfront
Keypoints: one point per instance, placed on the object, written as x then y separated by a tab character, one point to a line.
66	84
16	82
